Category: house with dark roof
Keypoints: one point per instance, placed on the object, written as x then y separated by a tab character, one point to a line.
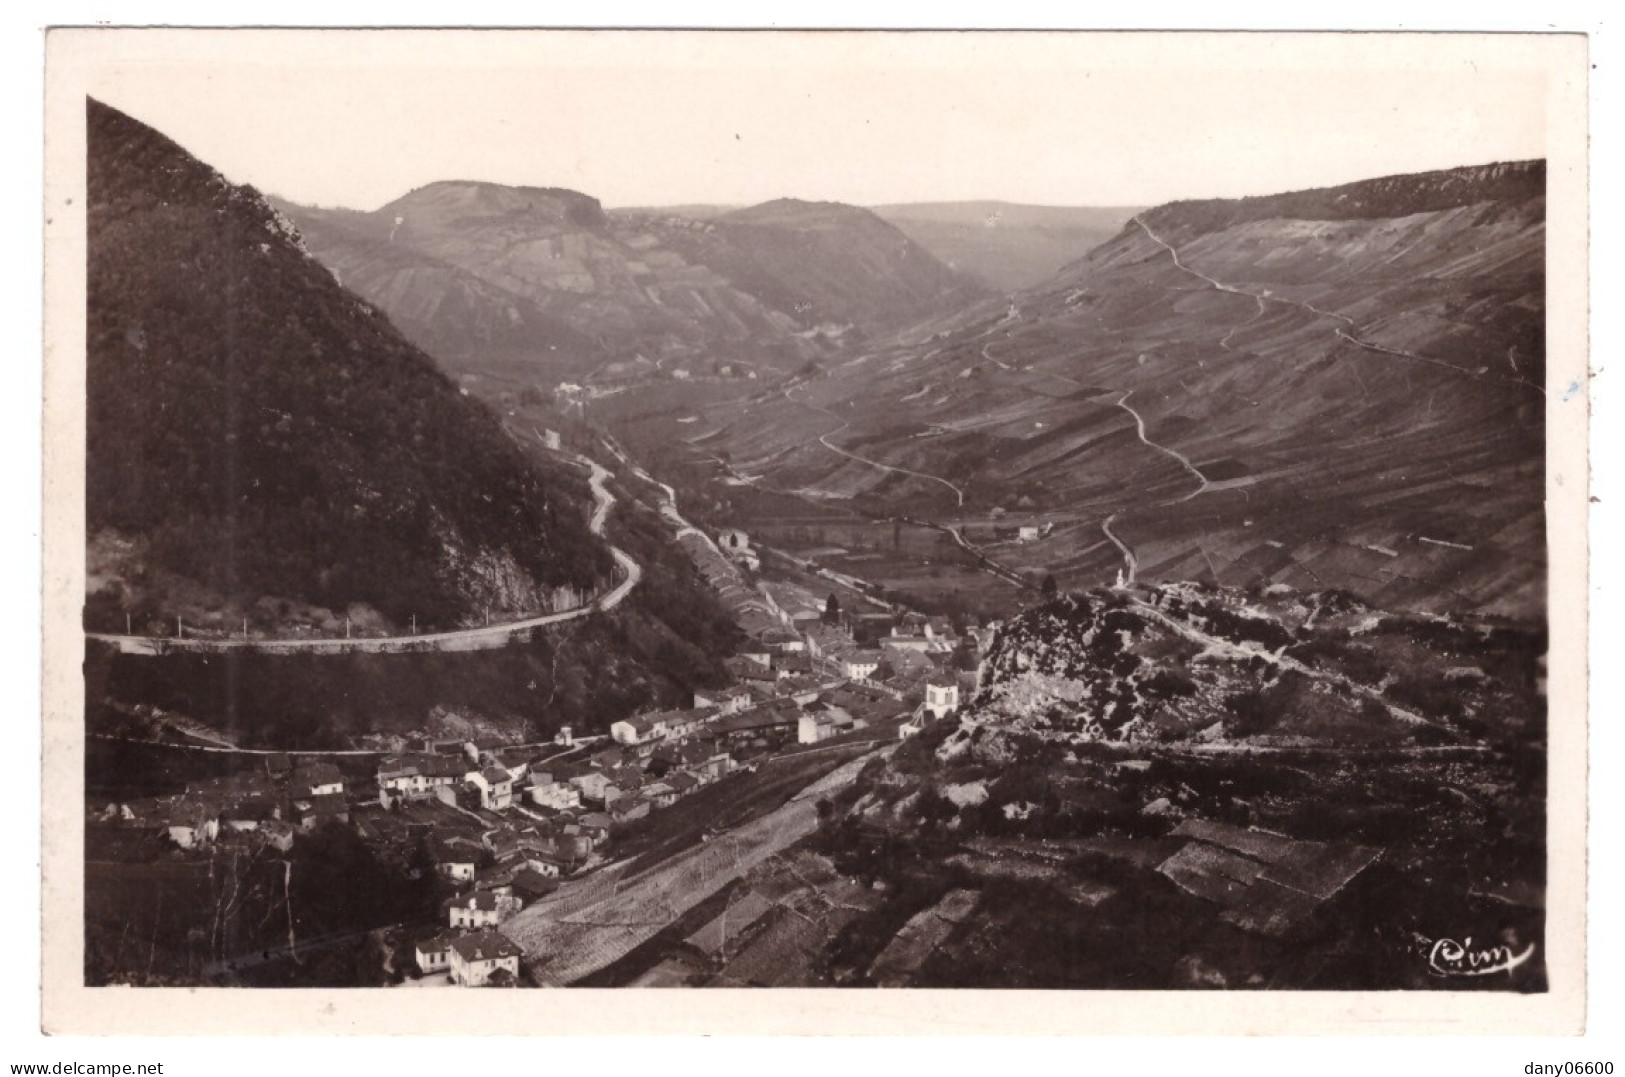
595	786
478	909
547	790
907	642
475	750
729	700
467	794
455	860
496	787
660	794
530	885
595	825
249	813
312	812
860	665
627	808
516	761
477	958
748	669
793	665
417	777
189	821
316	779
434	953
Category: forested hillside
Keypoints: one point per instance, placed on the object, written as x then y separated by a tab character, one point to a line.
259	434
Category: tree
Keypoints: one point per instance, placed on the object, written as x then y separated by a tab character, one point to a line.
1049	586
832	610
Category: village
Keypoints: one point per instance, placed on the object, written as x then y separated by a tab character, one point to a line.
500	825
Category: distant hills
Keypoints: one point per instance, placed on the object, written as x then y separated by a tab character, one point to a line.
527	282
1335	388
260	438
1007	245
824	263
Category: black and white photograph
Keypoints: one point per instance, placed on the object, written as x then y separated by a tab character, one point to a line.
989	511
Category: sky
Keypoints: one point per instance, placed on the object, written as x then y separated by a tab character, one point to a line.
356	119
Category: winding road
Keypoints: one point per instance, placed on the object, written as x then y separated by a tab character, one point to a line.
483	637
1343	332
823	439
1184	461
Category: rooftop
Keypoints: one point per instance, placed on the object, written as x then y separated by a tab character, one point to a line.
486	946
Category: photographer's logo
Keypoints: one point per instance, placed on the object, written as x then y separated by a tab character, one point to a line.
1447	957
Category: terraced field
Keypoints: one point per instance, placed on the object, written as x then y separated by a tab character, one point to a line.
1345	402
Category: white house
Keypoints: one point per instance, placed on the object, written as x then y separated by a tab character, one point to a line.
642	728
543	864
596	786
480	909
495	785
476	958
416	778
455	865
317	779
730	700
812	728
192	823
1029	533
638	729
434	955
941	698
545	792
860	665
909	642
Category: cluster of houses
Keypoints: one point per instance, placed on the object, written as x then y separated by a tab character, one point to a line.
504	828
501	824
478	959
270	804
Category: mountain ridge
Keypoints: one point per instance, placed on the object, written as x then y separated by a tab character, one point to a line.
245	416
774	284
1222	394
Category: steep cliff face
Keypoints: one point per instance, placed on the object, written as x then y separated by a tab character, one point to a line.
1510	183
258	434
1331	388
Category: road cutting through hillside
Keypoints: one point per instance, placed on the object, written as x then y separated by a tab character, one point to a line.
1139	423
959	495
480	638
1342	332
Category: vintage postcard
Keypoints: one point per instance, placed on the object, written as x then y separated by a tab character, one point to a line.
1035	522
